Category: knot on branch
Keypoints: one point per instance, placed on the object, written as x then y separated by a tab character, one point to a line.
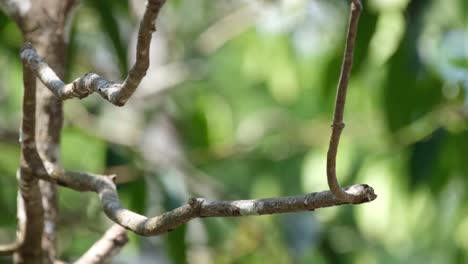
82	86
196	205
308	200
340	126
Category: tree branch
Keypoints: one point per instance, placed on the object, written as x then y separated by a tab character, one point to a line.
116	93
30	210
106	247
45	27
338	125
104	186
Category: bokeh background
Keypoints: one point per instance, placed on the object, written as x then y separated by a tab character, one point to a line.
237	104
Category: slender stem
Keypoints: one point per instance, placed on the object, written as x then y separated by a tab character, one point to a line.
338	124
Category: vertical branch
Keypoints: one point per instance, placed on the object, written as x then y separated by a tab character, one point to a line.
42	22
30	210
50	40
338	124
49	124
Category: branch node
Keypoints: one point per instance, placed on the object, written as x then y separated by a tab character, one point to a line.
195	203
340	125
306	200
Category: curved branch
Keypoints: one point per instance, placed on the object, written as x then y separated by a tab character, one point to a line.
105	187
116	93
338	125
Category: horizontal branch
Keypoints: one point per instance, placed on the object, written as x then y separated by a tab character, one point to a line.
116	93
104	186
106	247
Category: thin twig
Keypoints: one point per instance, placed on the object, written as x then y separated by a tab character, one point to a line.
338	124
109	245
116	93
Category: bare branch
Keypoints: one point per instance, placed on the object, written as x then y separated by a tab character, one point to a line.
338	125
30	210
104	186
46	28
196	207
106	247
115	93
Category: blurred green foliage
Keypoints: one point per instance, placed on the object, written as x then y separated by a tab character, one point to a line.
253	115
